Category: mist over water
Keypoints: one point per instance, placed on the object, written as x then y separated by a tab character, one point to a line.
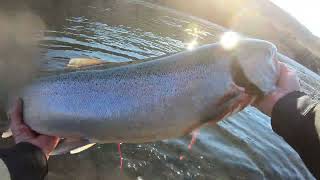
241	147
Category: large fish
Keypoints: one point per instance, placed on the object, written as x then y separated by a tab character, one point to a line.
154	100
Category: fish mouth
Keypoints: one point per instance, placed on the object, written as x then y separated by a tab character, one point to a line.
235	100
240	99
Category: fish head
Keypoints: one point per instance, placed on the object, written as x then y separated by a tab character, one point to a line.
254	72
254	66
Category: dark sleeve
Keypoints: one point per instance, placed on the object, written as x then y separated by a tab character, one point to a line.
296	117
25	162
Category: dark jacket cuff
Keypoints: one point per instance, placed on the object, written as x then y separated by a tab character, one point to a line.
290	115
293	118
25	161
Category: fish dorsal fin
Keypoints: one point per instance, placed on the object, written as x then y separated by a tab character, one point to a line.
75	65
82	148
84	62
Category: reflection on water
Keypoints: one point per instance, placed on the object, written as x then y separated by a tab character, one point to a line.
111	34
241	147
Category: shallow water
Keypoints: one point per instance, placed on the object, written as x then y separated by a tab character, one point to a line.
240	147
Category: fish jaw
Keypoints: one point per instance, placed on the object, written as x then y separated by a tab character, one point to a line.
237	99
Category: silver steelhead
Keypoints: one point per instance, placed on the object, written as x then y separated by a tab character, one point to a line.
155	100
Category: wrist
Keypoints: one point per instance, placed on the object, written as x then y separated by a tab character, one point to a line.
267	103
36	144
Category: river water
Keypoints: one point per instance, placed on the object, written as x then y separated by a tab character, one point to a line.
240	147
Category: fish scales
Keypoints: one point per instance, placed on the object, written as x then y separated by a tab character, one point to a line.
149	101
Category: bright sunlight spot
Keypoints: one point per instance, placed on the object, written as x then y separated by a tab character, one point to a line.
229	40
192	44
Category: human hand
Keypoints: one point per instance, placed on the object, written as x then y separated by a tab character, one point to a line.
22	133
288	82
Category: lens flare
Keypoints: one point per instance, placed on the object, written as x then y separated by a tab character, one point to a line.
229	40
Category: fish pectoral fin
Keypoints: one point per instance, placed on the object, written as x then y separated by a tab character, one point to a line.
83	62
83	148
6	134
67	145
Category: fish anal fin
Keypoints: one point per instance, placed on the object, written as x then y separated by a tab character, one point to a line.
69	144
83	148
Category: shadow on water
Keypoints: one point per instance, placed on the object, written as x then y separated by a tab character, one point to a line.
241	147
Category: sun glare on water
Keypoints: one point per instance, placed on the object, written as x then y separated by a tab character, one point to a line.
229	40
